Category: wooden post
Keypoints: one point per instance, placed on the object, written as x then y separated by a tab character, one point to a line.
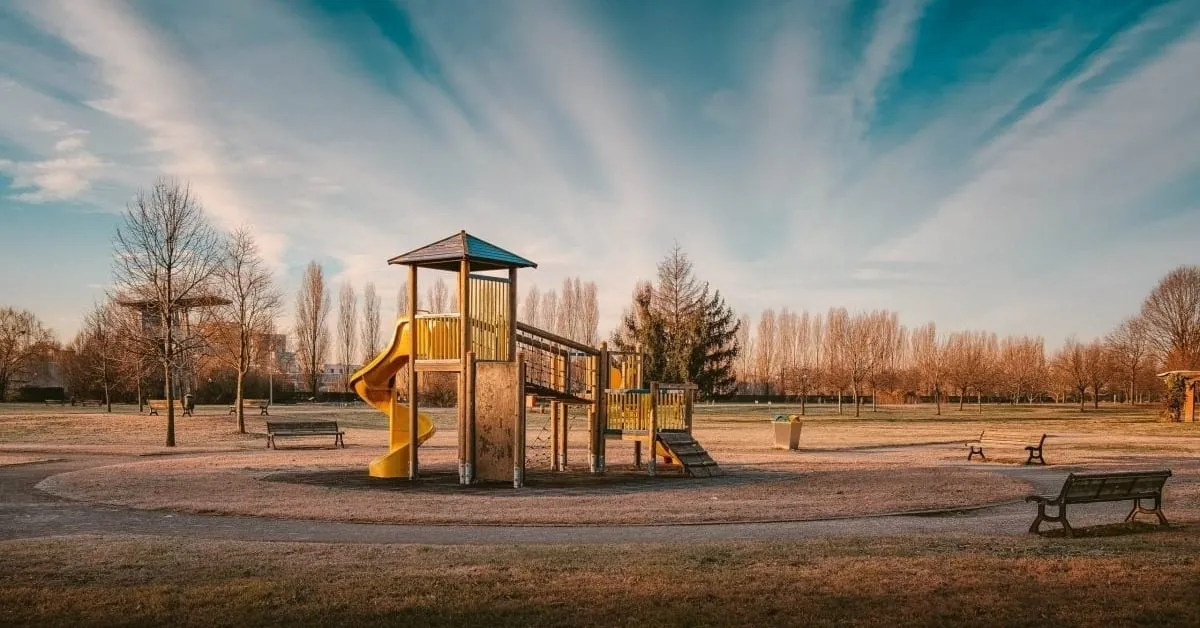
519	428
602	407
651	457
689	397
637	454
565	416
469	398
412	373
512	315
466	437
554	405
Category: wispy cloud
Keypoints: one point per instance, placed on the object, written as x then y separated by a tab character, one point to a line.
807	168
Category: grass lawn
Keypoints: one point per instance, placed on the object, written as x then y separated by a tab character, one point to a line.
1137	578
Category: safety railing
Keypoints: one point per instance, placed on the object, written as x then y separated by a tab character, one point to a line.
629	410
557	364
439	336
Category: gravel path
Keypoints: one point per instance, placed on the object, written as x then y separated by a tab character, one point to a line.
26	512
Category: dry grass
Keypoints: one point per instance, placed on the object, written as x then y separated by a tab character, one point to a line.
881	462
1134	579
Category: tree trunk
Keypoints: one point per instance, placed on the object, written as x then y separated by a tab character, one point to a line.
962	397
839	401
1082	398
167	361
857	399
241	416
803	399
937	399
1096	398
874	399
979	400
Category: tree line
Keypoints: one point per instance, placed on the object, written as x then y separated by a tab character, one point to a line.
838	353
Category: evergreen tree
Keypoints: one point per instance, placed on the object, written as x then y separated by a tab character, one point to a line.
686	330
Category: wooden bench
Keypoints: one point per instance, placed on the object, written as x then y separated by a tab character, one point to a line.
161	404
276	429
91	402
261	404
1090	488
56	402
1000	440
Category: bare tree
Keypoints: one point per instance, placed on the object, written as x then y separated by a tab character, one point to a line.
1171	314
248	319
438	299
1022	366
96	363
968	364
835	367
568	308
929	356
22	339
370	323
1070	367
589	305
743	365
809	338
549	320
884	331
1097	368
347	324
788	356
765	350
165	258
402	304
312	334
1129	347
533	301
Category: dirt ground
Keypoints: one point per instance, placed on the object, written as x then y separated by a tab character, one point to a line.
896	459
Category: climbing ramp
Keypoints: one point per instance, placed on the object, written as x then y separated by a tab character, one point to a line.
694	459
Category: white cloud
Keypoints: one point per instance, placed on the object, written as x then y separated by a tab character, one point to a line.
64	176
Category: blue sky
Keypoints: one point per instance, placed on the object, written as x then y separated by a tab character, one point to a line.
1018	166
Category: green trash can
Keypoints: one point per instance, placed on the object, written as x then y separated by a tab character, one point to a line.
787	431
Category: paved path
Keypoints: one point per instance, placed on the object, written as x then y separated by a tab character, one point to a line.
26	512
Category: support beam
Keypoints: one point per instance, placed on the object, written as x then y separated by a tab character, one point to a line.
512	314
519	428
651	457
412	374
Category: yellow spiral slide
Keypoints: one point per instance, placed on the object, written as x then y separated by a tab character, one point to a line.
373	384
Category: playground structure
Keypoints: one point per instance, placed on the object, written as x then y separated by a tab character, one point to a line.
501	366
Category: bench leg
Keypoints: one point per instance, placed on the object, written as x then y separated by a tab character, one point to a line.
1060	518
976	451
263	412
1139	510
1035	456
1037	522
270	442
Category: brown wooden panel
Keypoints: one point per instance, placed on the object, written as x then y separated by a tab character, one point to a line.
496	411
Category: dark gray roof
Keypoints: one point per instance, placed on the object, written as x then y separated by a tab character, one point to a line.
445	254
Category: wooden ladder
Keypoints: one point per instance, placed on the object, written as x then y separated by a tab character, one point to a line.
690	454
